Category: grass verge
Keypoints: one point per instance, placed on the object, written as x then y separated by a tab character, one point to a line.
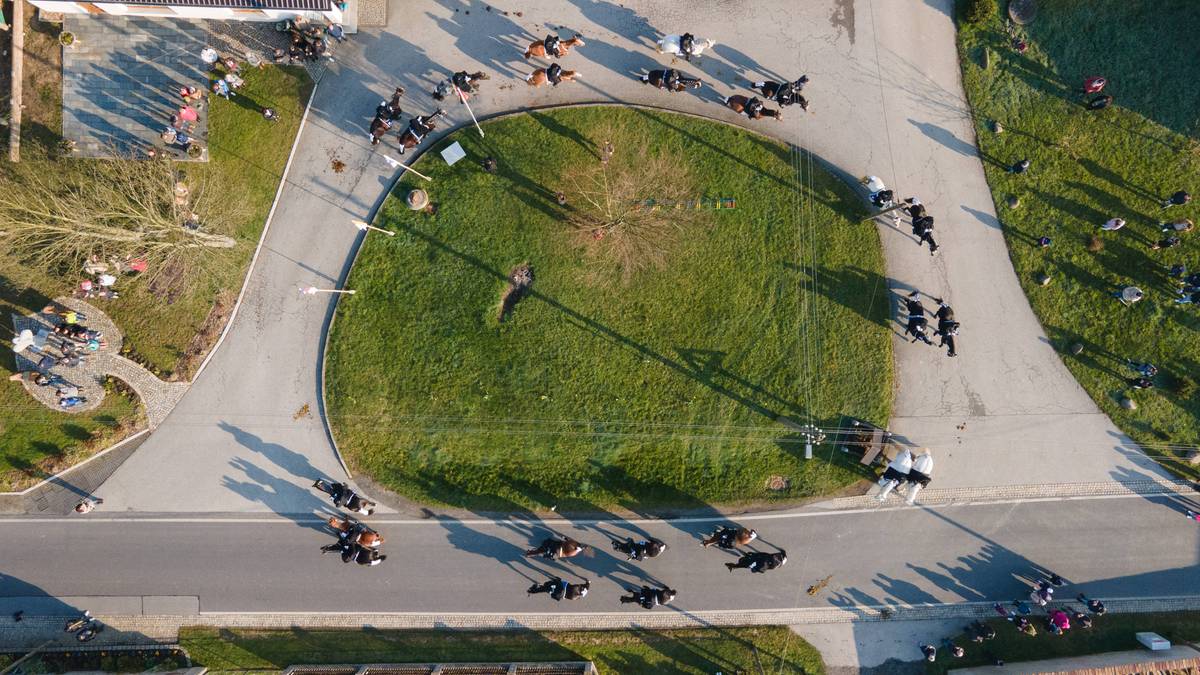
1088	167
599	389
748	650
1110	633
169	334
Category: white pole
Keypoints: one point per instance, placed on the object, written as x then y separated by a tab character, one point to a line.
362	225
394	163
462	97
313	290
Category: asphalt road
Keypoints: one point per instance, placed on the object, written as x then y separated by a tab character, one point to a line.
1121	547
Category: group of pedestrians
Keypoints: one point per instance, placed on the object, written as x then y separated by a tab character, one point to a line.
1058	619
729	538
67	343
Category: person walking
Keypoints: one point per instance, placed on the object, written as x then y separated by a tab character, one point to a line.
1180	198
922	228
1113	224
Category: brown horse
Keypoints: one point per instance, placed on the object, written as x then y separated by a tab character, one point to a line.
356	532
729	537
538	48
541	76
418	128
753	108
551	549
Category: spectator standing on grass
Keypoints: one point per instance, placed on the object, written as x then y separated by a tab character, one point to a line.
209	56
1020	167
1144	369
221	88
1166	242
1180	198
1129	295
955	651
1181	225
1093	84
1140	383
1192	298
1100	102
1094	606
930	652
1113	224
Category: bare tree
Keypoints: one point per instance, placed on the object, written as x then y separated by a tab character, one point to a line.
117	210
629	209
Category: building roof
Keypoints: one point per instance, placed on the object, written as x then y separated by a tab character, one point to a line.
290	5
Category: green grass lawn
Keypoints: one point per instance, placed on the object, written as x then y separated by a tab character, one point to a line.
660	391
735	650
1092	166
168	334
1110	633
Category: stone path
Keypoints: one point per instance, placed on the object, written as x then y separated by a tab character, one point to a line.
121	82
158	397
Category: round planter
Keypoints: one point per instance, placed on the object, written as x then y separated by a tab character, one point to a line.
67	39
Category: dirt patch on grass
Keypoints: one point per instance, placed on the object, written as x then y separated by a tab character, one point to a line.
205	338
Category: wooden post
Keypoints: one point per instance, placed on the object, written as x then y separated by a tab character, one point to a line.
18	74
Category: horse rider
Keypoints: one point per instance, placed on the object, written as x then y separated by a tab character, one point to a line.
671	79
337	492
639	550
789	93
462	80
916	319
759	561
552	46
419	126
687	45
554	74
390	110
754	108
947	327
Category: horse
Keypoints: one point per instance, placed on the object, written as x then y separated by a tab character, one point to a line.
671	44
559	589
543	75
785	93
753	108
418	128
538	48
552	548
663	80
639	550
354	531
379	126
649	597
730	537
759	561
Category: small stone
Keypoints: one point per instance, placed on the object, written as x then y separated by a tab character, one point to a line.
1076	349
778	483
1128	403
1013	201
997	128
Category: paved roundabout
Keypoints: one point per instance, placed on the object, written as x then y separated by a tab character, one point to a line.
248	438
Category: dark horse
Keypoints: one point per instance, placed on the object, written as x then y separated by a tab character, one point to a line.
418	128
785	93
639	550
671	80
559	589
759	561
552	548
730	537
753	107
649	597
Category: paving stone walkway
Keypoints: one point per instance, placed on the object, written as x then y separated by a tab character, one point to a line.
157	396
121	81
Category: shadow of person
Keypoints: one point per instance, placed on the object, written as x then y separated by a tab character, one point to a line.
281	496
944	137
288	460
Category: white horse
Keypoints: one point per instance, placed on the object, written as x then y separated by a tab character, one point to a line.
920	475
897	472
670	45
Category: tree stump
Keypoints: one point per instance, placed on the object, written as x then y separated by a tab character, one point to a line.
417	199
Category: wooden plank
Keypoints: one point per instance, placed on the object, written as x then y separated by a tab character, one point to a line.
874	447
